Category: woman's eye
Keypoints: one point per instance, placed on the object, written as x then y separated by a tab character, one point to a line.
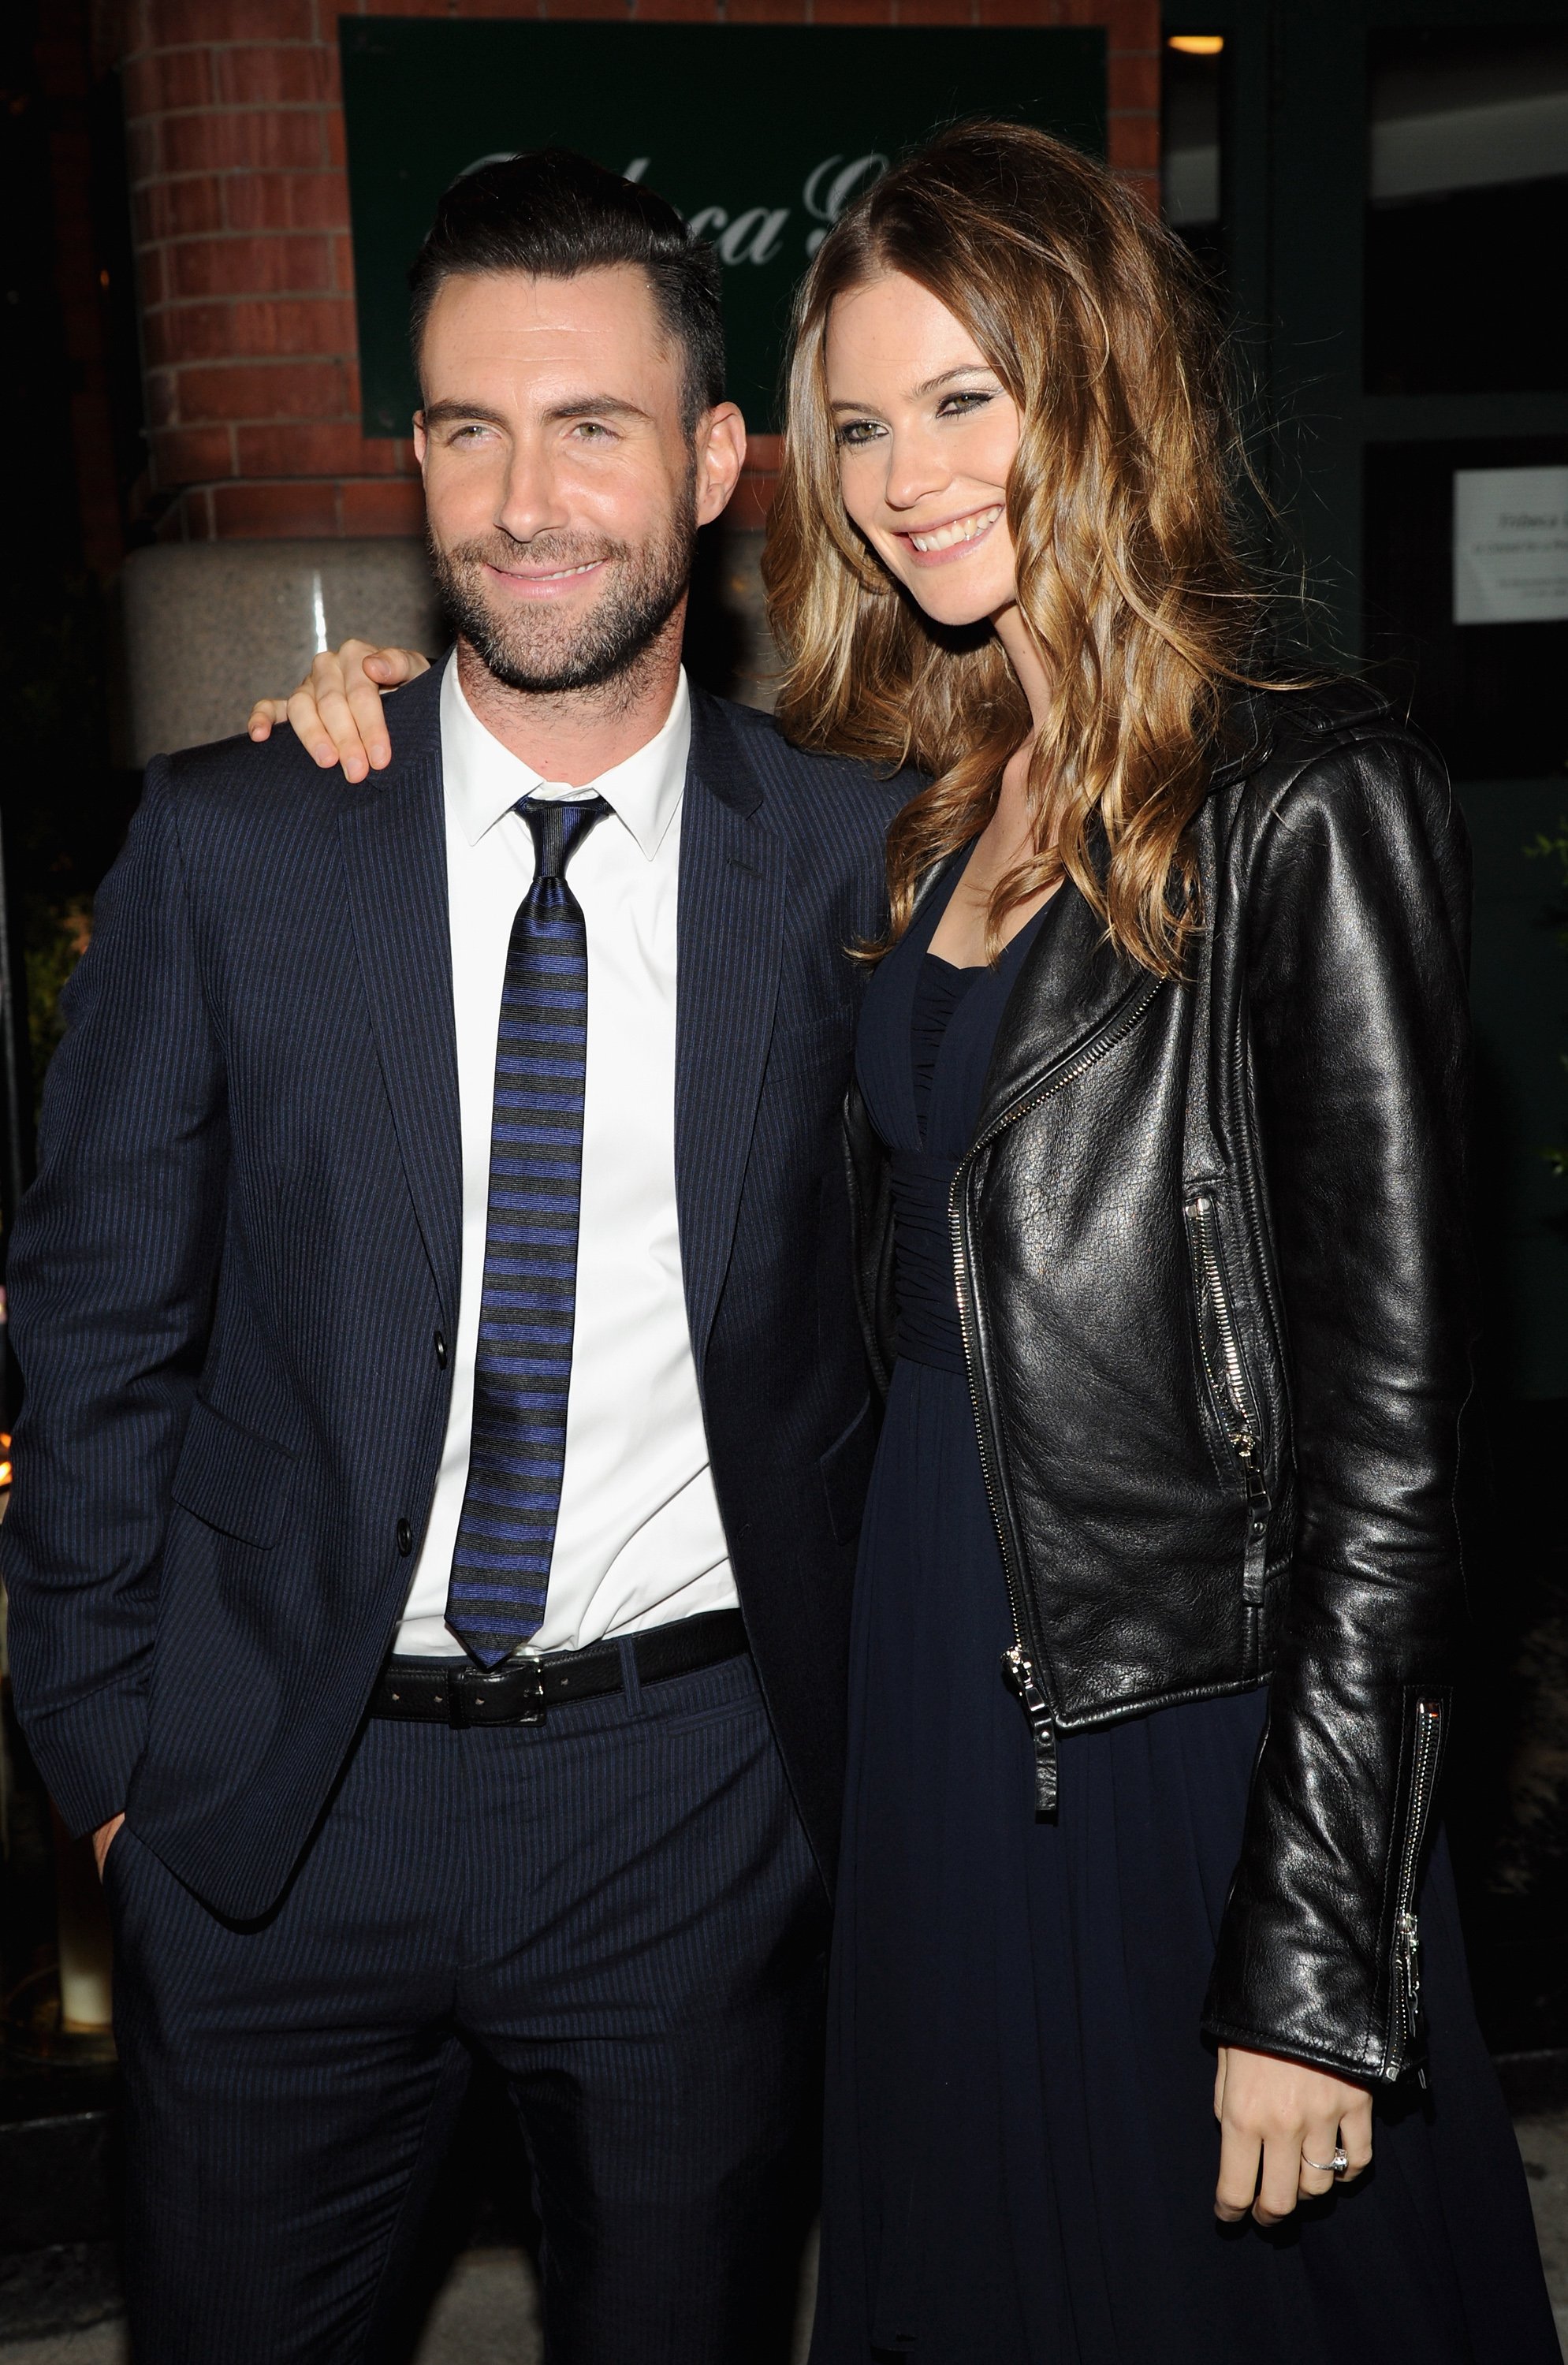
956	406
856	432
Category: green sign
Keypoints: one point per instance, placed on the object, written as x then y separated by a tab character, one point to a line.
760	134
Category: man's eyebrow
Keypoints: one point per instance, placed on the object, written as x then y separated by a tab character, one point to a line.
596	406
575	406
445	414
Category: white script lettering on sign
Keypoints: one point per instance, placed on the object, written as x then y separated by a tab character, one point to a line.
757	233
1511	545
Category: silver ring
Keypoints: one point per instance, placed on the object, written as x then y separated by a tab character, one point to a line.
1334	2167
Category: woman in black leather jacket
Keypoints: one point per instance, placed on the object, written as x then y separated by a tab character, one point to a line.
1157	1153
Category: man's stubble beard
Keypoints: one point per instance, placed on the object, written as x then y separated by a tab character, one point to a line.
546	652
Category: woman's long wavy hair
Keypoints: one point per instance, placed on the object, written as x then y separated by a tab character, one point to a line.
1121	507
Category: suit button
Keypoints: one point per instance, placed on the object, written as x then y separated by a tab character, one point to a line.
441	1350
405	1538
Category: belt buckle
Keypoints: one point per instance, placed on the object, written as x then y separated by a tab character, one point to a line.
530	1691
513	1693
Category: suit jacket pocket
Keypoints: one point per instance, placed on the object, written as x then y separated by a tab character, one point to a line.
846	1473
232	1479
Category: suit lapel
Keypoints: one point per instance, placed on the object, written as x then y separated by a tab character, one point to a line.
731	920
394	849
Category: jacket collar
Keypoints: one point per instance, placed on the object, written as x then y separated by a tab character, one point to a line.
392	832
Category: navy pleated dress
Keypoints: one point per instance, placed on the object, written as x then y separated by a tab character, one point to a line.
1021	2146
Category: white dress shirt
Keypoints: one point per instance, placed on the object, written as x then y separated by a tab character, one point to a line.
639	1539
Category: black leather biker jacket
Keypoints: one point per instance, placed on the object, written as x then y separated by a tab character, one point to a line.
1213	1266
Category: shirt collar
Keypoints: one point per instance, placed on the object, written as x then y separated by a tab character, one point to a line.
484	780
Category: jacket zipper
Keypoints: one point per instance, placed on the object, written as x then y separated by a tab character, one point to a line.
1407	1928
1023	1662
1228	1386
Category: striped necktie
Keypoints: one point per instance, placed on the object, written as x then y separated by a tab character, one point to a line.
522	1365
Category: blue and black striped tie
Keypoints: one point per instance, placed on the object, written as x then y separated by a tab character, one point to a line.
522	1367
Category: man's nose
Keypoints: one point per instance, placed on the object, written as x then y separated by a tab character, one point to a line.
531	498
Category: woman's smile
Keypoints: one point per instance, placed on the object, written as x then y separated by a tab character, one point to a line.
936	543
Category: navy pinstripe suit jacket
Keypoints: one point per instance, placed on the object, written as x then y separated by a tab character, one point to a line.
226	1281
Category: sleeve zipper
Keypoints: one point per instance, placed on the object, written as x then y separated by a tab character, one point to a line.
1227	1384
1406	2033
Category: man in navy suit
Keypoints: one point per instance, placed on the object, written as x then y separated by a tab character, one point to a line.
445	1417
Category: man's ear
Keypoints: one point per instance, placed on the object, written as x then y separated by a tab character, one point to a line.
721	455
419	440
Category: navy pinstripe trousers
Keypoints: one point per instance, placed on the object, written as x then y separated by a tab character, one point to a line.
620	1907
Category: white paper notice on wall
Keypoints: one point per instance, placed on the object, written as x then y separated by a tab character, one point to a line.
1511	545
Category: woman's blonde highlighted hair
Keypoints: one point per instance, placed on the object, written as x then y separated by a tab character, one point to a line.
1120	508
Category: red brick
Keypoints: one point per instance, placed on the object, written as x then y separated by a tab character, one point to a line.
1146	189
191	519
1132	84
763	455
320	447
186	456
1132	143
486	8
274	513
150	276
206	143
182	24
702	12
1012	12
383	508
589	9
245	327
852	12
1129	24
167	79
265	390
250	266
767	12
251	76
179	209
1134	24
287	200
335	140
936	12
342	263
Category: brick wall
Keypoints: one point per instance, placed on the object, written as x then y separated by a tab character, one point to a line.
246	275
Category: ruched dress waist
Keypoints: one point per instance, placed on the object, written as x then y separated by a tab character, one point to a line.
921	1183
927	1329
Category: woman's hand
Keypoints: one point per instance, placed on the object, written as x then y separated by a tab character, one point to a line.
336	710
1283	2115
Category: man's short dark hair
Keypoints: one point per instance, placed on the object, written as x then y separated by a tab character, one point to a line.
553	215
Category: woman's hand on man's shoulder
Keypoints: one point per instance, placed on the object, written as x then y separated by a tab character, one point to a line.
336	710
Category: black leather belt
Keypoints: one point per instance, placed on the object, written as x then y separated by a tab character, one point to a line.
455	1692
